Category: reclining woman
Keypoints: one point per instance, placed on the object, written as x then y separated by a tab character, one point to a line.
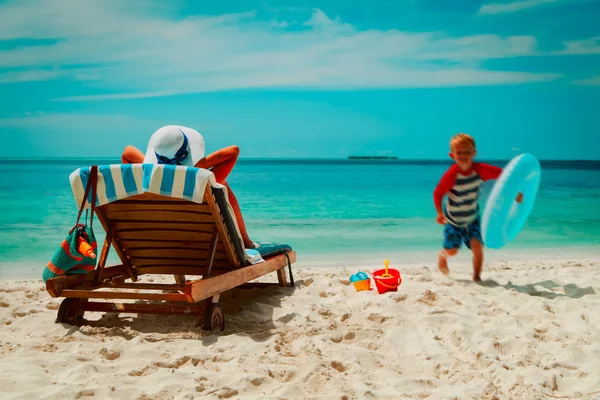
180	145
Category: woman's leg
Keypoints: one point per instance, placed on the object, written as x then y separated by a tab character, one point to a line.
221	163
132	155
248	243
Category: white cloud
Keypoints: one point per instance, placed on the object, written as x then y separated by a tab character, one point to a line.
481	47
585	46
121	46
499	8
319	19
28	75
522	5
70	122
592	81
116	96
280	24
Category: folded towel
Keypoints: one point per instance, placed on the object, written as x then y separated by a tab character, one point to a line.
270	249
253	256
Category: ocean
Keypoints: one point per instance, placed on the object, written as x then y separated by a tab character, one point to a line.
332	212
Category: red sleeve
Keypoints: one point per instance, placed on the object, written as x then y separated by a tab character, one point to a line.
487	171
443	187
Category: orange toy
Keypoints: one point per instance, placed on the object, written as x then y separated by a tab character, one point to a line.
84	248
365	284
361	281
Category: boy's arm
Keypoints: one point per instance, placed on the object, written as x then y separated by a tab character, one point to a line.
486	171
443	187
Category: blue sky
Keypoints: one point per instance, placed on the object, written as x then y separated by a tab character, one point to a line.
302	79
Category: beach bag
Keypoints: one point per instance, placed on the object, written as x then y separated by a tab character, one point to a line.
77	252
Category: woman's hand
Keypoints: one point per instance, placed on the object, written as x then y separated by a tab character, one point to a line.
221	162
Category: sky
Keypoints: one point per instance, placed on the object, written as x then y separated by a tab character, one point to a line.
302	79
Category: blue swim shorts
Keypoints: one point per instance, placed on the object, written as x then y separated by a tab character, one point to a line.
454	236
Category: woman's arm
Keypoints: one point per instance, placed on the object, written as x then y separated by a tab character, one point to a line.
221	161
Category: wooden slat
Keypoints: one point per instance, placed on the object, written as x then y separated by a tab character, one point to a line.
55	286
142	264
148	261
205	288
173	252
140	308
135	222
128	204
131	244
144	286
157	214
139	210
154	207
145	225
152	197
224	264
179	235
170	270
98	294
170	227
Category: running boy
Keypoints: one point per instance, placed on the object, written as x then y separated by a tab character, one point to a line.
460	217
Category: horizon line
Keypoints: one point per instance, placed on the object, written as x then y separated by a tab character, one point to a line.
38	159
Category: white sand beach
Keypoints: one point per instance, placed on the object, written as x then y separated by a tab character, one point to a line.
530	331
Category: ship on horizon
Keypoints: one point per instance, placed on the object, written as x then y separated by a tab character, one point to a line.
372	157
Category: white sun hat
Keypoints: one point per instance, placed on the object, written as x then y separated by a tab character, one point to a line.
176	145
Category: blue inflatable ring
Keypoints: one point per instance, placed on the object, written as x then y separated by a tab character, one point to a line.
503	218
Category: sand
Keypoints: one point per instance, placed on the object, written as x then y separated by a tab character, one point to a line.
531	330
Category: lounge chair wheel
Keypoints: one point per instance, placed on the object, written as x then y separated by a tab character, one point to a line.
214	317
71	311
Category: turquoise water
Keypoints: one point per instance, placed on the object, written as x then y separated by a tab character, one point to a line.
323	208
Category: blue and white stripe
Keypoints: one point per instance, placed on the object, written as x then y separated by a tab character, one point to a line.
119	181
462	202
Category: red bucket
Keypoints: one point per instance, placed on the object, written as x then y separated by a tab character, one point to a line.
389	282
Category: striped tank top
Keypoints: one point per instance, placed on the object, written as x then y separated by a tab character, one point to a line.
462	190
462	203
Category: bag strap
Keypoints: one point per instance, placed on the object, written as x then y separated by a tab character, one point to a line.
93	179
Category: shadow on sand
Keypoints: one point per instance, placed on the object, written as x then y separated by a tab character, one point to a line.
248	312
569	290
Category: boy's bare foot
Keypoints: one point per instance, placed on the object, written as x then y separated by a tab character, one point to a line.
443	264
476	278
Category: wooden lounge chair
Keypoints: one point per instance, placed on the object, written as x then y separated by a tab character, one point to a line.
163	220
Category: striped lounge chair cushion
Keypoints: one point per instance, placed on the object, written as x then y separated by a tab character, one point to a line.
119	181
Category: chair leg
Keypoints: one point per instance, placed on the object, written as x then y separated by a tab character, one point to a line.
282	277
281	273
71	311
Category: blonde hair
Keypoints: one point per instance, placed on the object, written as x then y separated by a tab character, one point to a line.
462	138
